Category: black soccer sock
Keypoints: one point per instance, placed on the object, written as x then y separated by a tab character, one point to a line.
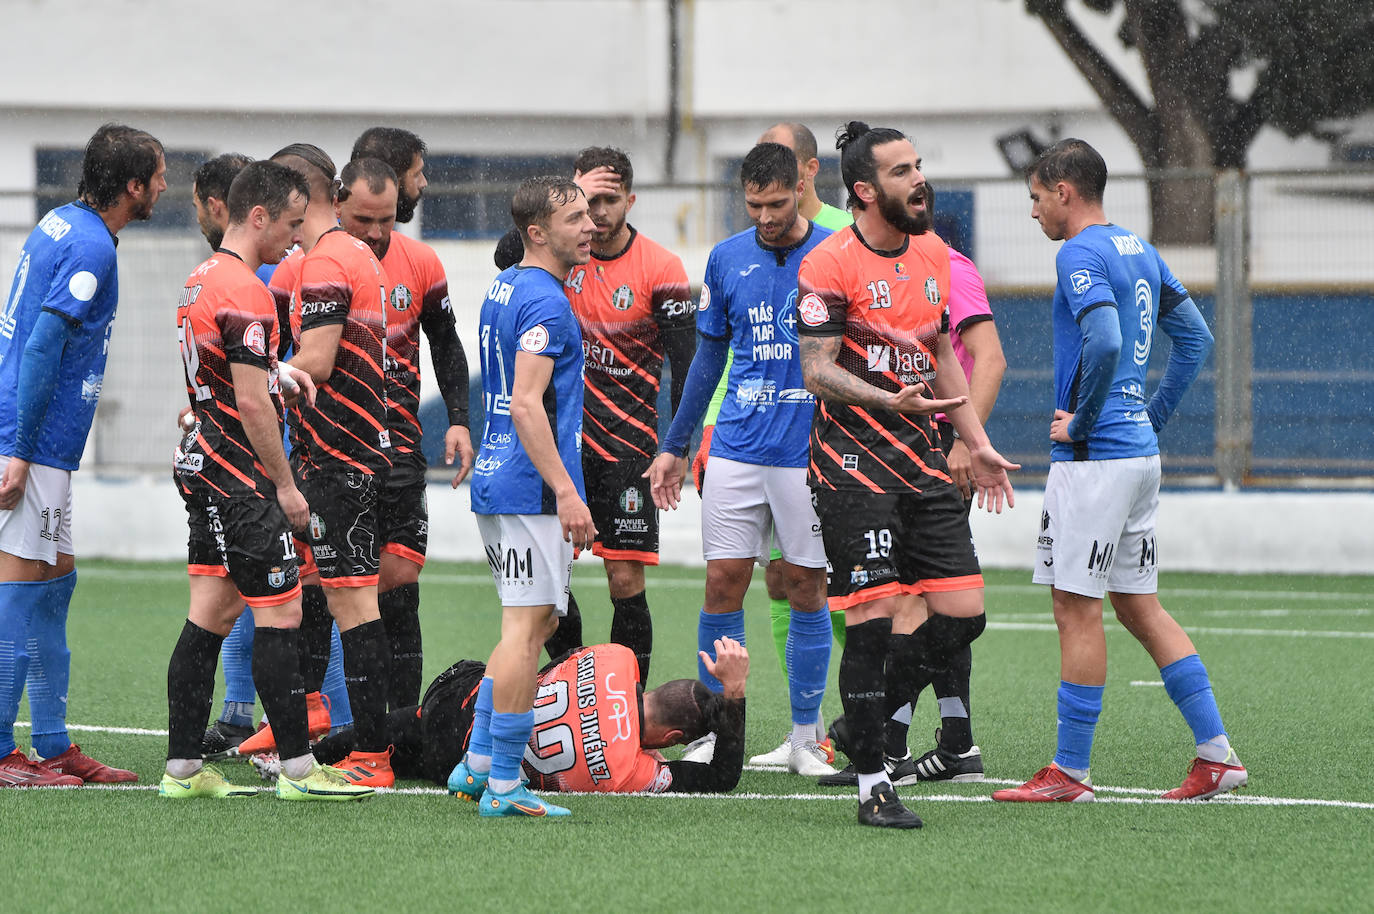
951	686
367	654
190	689
908	672
948	638
312	641
276	673
569	634
632	626
863	691
400	608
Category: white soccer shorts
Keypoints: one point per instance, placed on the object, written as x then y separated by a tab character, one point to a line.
530	561
746	506
41	526
1097	531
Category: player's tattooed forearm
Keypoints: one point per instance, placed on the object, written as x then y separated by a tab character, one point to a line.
827	380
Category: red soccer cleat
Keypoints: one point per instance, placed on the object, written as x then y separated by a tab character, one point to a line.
371	769
78	764
17	771
1207	779
1050	785
316	722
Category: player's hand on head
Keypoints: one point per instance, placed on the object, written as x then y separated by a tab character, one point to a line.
295	507
458	443
912	401
990	471
12	483
600	180
665	476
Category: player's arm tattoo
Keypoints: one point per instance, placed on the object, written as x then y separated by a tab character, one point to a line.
828	381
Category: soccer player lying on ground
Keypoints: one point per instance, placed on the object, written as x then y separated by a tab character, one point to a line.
596	728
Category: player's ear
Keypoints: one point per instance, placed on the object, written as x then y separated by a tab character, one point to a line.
675	738
629	202
536	233
813	168
865	192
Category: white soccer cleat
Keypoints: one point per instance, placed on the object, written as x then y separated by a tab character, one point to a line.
702	750
778	756
809	760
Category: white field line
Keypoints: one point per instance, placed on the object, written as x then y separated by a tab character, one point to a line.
1146	682
1192	630
1147	796
696	583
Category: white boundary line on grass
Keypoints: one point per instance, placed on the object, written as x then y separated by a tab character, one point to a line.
914	799
995	625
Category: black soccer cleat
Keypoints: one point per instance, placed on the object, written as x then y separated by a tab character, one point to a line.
840	736
845	777
884	810
941	765
221	737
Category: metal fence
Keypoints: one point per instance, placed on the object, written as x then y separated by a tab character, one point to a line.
1288	289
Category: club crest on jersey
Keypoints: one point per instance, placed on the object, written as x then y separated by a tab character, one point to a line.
535	339
316	526
812	310
1081	281
401	298
255	338
932	290
623	298
705	301
631	500
276	577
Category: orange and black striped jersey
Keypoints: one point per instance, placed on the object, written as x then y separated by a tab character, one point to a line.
341	282
890	308
225	316
417	295
624	304
587	727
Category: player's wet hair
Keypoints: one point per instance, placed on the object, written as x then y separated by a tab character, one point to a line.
537	198
768	164
266	184
374	172
855	141
616	159
313	162
213	177
116	155
687	705
510	250
394	146
1075	162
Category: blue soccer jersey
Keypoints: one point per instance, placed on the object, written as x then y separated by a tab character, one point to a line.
67	266
1109	266
526	311
749	296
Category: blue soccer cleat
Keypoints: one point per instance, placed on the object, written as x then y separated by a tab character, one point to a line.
466	784
519	802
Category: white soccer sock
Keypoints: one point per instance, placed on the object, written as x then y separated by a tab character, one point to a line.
298	767
496	785
478	764
803	734
183	768
868	781
1078	774
1216	749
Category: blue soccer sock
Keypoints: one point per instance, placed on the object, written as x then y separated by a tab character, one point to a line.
1188	685
17	602
236	659
335	687
50	666
711	626
479	743
510	734
808	663
1079	708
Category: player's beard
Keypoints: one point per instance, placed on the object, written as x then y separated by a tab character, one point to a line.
600	237
142	210
406	206
893	209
